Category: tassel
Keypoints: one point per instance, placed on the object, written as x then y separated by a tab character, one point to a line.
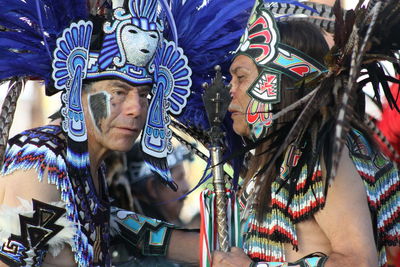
7	113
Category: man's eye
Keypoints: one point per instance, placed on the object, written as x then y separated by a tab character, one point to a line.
119	92
241	77
144	92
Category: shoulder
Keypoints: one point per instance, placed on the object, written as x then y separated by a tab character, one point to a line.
25	184
347	186
33	160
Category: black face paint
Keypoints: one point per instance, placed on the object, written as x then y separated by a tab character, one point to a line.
99	107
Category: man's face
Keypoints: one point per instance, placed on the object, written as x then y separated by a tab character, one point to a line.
244	72
115	112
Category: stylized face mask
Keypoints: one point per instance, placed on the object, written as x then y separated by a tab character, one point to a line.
261	43
141	52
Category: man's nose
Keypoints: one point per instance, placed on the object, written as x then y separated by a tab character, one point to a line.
134	106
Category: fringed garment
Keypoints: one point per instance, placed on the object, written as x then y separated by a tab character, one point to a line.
44	148
265	241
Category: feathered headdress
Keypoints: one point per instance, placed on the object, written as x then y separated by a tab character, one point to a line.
359	49
332	106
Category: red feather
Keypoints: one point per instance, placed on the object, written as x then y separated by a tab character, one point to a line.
390	125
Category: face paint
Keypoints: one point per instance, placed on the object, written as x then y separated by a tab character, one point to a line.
266	87
259	118
99	106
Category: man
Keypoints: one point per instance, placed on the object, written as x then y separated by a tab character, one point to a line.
288	218
54	202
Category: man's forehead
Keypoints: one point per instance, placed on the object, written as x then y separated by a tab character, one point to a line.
122	84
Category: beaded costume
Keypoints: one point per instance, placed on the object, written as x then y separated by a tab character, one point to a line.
43	149
134	41
328	112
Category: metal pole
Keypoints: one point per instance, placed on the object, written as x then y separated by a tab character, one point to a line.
216	99
219	187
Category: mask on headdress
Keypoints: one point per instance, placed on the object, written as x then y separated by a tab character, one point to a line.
261	42
129	45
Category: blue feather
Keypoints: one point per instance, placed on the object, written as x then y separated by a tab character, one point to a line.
206	35
171	20
35	26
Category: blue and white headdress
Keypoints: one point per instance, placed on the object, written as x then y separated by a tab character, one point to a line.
170	93
133	50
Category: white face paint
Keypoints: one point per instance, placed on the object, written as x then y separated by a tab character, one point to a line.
139	45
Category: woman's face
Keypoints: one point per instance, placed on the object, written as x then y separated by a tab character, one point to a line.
244	72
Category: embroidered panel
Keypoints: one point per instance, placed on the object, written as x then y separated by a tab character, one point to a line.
29	247
150	234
